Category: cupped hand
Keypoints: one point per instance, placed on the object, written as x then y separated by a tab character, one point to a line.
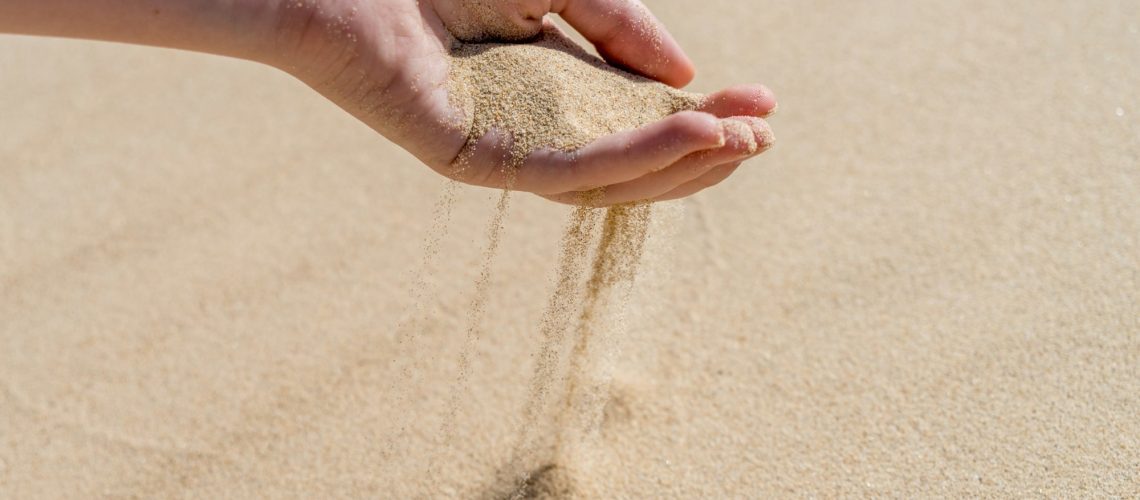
386	62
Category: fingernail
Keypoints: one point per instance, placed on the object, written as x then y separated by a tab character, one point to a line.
767	140
721	140
743	135
772	111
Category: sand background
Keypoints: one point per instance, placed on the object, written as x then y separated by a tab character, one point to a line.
929	287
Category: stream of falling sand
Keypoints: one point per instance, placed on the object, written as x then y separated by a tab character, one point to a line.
585	381
474	328
407	330
611	282
555	319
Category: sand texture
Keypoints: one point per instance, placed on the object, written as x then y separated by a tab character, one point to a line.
551	93
930	287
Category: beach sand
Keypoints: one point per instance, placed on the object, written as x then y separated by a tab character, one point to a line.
929	287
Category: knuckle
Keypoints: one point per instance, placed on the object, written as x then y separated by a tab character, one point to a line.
692	124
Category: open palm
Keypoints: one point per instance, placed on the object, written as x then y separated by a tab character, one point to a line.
386	62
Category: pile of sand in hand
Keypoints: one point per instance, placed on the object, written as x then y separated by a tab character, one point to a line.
550	93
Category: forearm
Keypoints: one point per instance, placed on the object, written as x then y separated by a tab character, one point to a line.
237	28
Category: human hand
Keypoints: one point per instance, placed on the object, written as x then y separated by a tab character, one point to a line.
386	62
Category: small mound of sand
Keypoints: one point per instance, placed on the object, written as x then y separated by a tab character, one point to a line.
550	93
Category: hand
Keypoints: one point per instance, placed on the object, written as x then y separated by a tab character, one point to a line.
385	61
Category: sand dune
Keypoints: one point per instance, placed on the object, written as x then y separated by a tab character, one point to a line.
930	286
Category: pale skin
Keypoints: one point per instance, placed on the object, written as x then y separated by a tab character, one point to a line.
385	62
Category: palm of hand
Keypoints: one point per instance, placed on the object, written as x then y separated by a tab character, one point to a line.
387	63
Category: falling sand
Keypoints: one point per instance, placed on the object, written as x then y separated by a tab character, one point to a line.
409	326
551	94
585	381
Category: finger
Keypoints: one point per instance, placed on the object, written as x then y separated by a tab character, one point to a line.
712	178
745	137
741	100
627	34
620	157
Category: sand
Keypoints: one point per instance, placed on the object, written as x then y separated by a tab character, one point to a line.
929	289
550	93
483	20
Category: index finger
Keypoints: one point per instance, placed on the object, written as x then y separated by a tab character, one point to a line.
627	34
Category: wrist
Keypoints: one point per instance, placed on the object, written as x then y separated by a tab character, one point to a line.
252	29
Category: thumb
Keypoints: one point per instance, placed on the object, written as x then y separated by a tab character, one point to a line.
626	34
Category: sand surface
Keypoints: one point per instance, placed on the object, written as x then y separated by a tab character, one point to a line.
929	287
